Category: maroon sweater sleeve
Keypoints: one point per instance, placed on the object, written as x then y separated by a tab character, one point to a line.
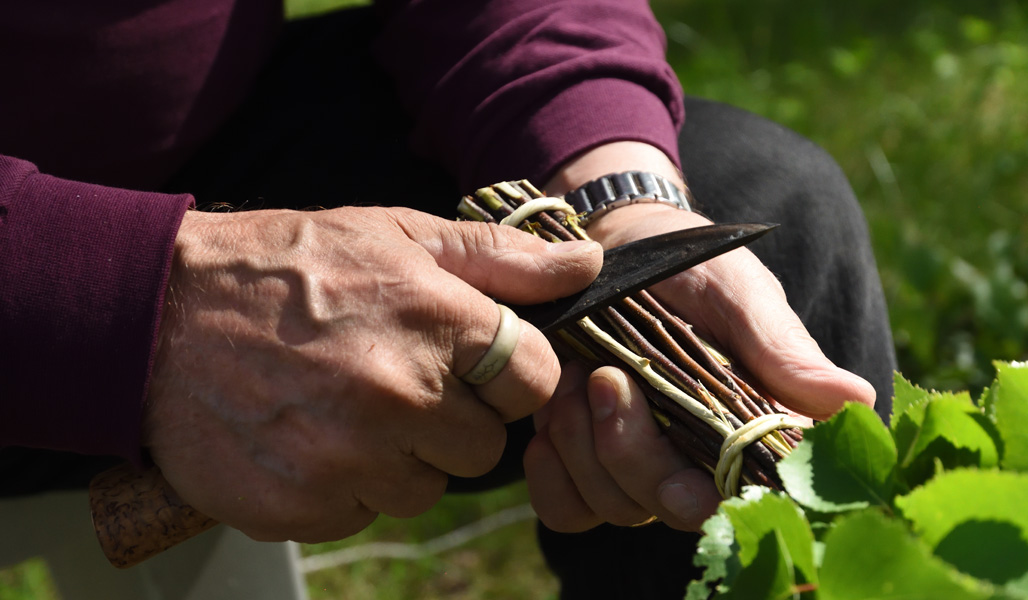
513	88
82	275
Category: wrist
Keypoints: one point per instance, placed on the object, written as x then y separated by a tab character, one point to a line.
601	196
614	157
619	175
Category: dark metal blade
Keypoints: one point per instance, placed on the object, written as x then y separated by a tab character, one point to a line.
640	264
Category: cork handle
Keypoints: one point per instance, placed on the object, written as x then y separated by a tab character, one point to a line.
137	515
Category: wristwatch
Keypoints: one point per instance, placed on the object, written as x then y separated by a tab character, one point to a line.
604	194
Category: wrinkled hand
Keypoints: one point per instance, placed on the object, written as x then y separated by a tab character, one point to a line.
307	371
598	455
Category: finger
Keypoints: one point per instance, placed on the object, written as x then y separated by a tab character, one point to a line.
747	311
416	407
460	436
347	522
638	455
403	489
516	388
736	301
571	431
505	262
689	494
527	380
551	490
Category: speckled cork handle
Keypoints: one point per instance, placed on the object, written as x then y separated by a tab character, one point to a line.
137	515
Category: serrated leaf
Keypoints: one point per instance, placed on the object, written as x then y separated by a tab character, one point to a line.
1008	404
716	553
869	557
758	545
906	396
768	575
760	512
906	425
953	434
975	520
842	464
986	402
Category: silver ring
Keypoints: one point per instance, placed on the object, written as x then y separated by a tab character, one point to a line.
499	352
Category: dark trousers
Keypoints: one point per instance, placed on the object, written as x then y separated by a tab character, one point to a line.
323	129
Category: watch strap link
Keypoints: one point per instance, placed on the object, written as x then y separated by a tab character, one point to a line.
604	194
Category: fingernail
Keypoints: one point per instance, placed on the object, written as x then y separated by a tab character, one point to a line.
680	500
571	246
603	398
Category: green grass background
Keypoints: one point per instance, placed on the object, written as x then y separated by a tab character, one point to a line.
924	103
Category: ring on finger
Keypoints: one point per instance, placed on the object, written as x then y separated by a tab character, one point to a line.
499	352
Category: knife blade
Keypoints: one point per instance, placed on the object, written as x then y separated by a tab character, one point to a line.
640	264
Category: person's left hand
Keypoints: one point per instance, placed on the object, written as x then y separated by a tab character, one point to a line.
599	456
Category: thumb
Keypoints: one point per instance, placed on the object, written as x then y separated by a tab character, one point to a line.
505	262
752	318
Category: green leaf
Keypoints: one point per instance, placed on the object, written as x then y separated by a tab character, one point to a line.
953	434
715	552
907	423
760	512
768	575
842	464
975	520
906	396
869	557
756	546
1007	403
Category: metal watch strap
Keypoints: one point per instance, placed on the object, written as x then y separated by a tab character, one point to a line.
604	194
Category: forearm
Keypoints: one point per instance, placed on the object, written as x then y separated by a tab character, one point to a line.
613	157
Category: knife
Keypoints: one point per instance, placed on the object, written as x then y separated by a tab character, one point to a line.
637	265
138	515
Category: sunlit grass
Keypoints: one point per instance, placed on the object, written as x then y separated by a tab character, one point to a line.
306	8
29	580
922	105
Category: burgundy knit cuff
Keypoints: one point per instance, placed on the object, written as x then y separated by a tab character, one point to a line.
580	117
83	270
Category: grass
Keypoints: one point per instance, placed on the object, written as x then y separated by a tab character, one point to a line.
505	564
923	104
29	580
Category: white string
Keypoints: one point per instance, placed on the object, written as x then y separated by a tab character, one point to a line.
533	206
729	464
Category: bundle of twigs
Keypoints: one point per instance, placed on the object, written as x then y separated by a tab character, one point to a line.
702	402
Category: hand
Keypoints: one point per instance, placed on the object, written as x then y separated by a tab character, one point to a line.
307	374
598	456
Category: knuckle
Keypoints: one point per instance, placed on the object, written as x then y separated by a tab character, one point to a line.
422	493
489	451
565	429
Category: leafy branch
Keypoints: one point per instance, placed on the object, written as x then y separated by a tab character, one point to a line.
931	507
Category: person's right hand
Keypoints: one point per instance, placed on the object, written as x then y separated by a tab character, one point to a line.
307	374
